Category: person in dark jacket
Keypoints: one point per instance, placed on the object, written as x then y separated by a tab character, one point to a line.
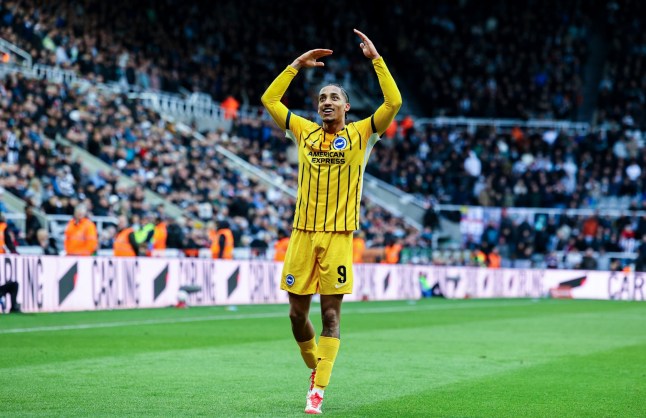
11	289
46	243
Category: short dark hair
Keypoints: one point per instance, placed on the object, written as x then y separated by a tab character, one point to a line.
345	93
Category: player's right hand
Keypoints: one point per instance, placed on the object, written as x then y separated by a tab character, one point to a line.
309	59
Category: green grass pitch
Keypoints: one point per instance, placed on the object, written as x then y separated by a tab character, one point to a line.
431	358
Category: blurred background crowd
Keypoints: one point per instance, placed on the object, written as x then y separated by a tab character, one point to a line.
572	60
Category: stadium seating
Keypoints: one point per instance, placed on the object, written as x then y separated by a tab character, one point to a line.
473	60
138	143
470	58
523	168
622	98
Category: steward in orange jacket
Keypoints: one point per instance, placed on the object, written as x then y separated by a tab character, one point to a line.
280	248
160	234
358	248
494	259
391	251
125	243
81	237
6	240
222	242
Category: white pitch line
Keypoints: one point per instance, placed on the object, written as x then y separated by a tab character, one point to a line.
142	322
410	308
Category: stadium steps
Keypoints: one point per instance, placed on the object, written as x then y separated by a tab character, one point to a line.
451	235
394	199
409	207
245	167
16	53
16	207
95	165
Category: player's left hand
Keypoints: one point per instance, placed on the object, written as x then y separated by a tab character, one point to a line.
367	46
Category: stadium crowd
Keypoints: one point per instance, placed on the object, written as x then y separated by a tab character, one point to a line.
479	61
539	168
565	240
622	97
503	59
166	45
137	143
516	158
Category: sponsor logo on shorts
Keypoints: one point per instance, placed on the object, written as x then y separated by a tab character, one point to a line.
339	285
289	279
339	143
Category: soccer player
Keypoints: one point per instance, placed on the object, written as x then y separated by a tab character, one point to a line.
332	158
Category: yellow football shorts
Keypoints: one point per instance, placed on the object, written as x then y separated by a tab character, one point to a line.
318	262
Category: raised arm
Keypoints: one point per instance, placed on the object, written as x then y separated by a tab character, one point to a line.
392	98
273	94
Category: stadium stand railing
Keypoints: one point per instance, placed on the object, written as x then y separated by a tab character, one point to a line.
519	211
473	219
95	165
246	167
504	124
7	47
200	105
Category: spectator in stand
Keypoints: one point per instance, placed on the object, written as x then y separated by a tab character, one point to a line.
603	260
107	237
640	262
10	288
551	260
194	243
176	237
32	225
573	259
259	245
81	238
589	261
46	243
590	226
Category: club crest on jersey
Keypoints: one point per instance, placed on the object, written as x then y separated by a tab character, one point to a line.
339	143
289	279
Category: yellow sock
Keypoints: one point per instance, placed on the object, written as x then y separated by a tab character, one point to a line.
308	351
326	353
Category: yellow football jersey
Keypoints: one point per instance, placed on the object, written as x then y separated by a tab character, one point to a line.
330	173
331	165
